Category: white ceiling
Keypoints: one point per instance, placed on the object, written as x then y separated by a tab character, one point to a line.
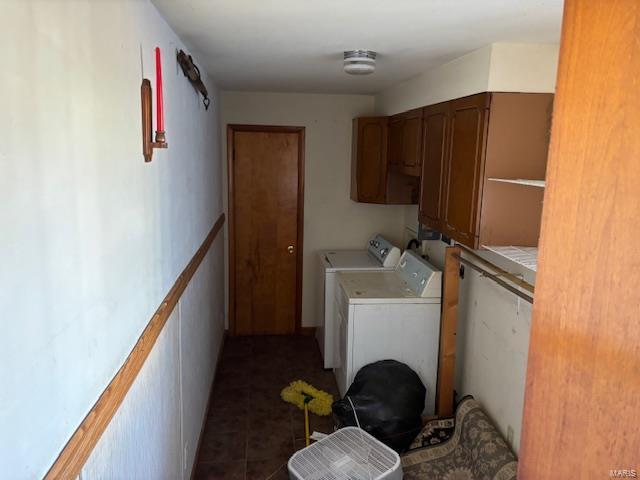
297	45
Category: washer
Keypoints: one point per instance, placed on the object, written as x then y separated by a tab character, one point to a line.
380	255
390	315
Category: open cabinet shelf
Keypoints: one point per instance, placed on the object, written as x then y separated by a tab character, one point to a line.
525	256
520	181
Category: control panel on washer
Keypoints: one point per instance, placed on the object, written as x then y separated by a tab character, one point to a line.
419	275
384	251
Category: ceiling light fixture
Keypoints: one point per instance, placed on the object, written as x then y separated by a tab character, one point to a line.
359	62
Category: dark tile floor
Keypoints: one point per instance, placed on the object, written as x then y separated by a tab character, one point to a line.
250	432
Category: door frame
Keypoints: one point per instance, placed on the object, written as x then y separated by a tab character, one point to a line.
300	131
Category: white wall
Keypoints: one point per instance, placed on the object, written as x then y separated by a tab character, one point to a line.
523	67
493	324
93	238
499	67
462	76
136	444
331	219
492	342
173	385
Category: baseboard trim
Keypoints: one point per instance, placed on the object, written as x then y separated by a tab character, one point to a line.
77	450
208	407
307	331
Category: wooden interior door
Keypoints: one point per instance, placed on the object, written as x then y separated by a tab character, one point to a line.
582	396
434	157
265	241
464	168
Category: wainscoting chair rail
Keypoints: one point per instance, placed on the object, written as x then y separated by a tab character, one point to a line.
79	447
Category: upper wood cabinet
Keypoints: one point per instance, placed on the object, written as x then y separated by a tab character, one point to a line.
372	179
395	140
405	142
411	158
435	137
466	155
469	145
369	165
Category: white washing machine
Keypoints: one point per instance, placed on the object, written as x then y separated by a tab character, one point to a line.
390	315
380	255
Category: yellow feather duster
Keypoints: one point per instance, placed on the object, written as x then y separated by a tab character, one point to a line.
300	393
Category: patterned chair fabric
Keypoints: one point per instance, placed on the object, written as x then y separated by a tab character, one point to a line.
474	451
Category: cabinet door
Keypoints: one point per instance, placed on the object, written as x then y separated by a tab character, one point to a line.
395	140
434	156
465	167
371	159
411	150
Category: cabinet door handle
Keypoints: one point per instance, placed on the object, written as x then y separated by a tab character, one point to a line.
290	249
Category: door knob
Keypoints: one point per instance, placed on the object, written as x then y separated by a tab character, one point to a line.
290	249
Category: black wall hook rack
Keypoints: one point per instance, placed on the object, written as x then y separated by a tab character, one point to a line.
192	72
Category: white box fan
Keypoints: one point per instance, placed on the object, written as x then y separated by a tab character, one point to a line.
348	454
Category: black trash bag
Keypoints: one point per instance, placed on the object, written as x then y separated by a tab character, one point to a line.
389	398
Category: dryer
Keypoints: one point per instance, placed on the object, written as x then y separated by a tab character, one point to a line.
380	255
390	315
